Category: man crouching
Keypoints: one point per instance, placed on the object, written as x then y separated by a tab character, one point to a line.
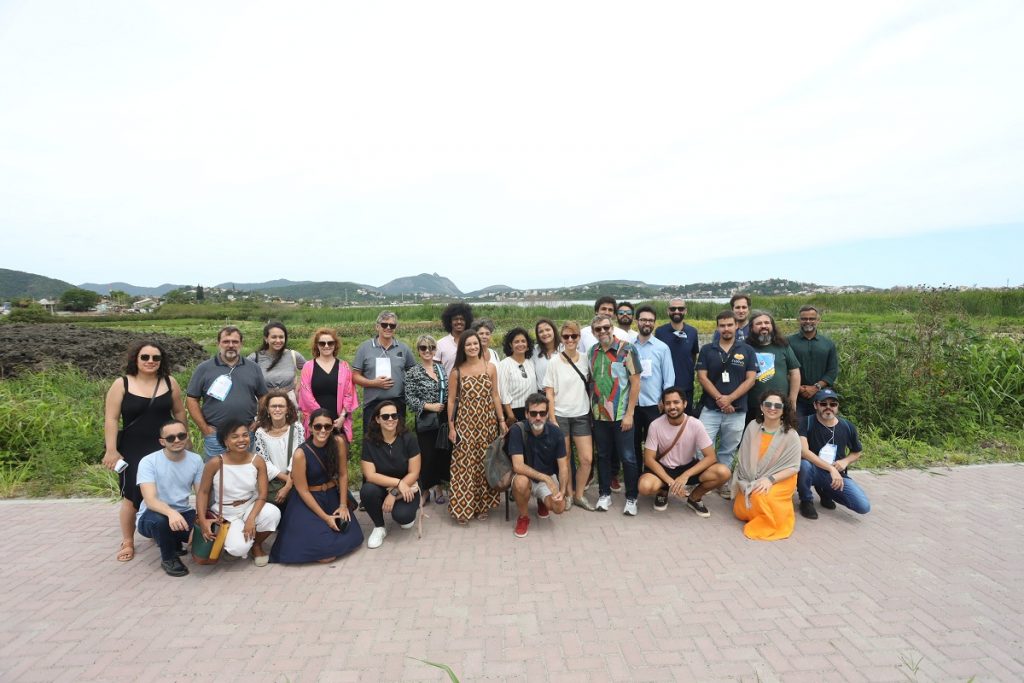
539	464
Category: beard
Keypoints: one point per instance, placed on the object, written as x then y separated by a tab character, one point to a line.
676	317
808	328
764	338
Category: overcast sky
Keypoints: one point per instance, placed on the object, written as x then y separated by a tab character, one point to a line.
528	144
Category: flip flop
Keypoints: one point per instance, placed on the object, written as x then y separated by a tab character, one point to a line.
126	553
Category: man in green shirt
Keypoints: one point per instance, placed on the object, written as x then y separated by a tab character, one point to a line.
777	367
819	362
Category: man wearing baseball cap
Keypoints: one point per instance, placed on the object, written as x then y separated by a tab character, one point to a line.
830	446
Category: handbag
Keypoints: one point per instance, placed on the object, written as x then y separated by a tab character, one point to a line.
208	552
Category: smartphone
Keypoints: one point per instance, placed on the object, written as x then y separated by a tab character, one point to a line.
342	524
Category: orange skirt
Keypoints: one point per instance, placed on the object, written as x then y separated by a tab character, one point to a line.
770	516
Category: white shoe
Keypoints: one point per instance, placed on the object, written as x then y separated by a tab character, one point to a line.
377	537
604	503
409	525
630	508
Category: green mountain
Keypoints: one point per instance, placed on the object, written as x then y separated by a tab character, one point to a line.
17	284
423	283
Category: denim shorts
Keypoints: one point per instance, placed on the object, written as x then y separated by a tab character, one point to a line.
575	426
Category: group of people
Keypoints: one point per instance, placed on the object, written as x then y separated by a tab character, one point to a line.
277	428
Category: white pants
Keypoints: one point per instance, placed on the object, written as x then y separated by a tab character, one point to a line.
235	543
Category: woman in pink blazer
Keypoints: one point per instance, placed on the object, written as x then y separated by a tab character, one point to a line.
327	383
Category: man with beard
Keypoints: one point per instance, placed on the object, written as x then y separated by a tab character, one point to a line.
456	319
605	305
683	345
539	463
670	457
740	304
656	376
830	446
624	314
819	362
726	370
228	386
777	366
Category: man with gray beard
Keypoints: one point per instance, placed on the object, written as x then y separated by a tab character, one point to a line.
777	366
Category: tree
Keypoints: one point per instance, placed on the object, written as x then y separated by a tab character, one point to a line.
121	298
78	299
199	293
33	313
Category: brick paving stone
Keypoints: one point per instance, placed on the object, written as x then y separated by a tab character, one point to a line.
932	573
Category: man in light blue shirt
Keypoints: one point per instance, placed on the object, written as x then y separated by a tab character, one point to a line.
658	374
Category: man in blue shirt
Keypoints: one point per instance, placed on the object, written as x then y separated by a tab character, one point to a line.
683	344
540	464
657	375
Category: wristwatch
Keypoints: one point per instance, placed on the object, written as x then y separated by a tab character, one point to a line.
771	478
395	492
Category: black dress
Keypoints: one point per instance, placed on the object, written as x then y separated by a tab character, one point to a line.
143	418
324	386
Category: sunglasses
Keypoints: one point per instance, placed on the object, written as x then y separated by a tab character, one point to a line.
522	371
325	344
570	337
389	326
624	311
829	404
537	413
155	357
277	407
772	405
388	416
603	328
676	309
171	438
424	347
322	427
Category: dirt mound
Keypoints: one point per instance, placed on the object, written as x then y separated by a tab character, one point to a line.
99	353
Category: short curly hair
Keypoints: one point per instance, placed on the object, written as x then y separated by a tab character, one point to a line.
454	310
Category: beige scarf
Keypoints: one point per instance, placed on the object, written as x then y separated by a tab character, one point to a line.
782	454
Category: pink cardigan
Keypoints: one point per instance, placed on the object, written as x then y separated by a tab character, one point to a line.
348	400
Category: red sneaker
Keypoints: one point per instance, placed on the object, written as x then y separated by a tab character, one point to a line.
522	527
542	510
616	487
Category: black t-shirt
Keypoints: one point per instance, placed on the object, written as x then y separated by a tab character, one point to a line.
392	460
539	452
324	386
843	435
740	360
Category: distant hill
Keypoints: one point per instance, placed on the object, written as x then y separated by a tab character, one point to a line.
326	291
134	290
422	284
17	284
261	286
489	291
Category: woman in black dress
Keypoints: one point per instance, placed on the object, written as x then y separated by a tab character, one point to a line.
137	405
317	525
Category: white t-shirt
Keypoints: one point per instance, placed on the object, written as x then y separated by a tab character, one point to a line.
571	398
587	338
661	433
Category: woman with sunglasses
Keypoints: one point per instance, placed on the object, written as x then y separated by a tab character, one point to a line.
568	390
391	470
279	433
426	394
137	404
317	525
475	419
767	463
242	477
516	378
279	364
326	383
547	347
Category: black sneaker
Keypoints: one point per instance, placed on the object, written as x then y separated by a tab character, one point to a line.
698	507
661	500
828	504
807	509
174	567
182	550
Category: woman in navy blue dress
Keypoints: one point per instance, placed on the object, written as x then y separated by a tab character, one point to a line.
317	525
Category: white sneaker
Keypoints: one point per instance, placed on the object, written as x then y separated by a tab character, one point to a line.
409	525
630	508
604	503
377	537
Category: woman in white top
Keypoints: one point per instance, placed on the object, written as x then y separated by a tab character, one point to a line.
245	493
567	387
547	347
280	432
516	374
484	328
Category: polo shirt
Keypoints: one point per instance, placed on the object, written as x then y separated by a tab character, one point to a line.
684	346
247	385
656	373
818	358
661	433
739	360
611	371
365	362
543	452
393	460
773	366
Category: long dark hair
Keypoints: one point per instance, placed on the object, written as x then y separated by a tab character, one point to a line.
554	337
263	412
373	430
131	365
332	463
788	411
506	343
272	325
777	338
460	354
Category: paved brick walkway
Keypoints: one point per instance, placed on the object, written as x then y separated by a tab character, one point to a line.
929	586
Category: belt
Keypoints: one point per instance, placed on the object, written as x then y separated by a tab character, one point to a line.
324	487
237	503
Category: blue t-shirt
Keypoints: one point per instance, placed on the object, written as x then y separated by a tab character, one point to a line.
543	452
740	360
174	479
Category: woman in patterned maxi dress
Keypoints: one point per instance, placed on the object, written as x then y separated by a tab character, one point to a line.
477	421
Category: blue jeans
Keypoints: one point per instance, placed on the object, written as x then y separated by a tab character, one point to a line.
212	447
852	496
158	527
727	428
609	439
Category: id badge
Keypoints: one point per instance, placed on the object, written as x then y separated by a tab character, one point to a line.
220	388
828	453
647	364
725	376
383	368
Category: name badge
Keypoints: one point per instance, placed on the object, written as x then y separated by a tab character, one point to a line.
647	364
725	376
220	388
828	453
383	368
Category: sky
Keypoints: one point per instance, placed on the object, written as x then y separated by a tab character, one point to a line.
532	144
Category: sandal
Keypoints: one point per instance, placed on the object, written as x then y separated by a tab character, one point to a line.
439	497
482	516
126	553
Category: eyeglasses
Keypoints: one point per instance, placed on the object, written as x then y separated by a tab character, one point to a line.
277	407
646	320
388	416
522	371
146	357
829	404
772	405
322	427
808	320
537	413
676	309
570	337
389	326
325	344
424	347
171	438
603	328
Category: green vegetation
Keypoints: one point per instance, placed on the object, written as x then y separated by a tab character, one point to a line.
16	284
78	300
33	313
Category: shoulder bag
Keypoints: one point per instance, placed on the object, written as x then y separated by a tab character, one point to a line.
208	552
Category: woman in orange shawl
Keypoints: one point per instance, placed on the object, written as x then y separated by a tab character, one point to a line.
767	463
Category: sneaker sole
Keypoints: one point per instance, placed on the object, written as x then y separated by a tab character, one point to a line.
660	508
